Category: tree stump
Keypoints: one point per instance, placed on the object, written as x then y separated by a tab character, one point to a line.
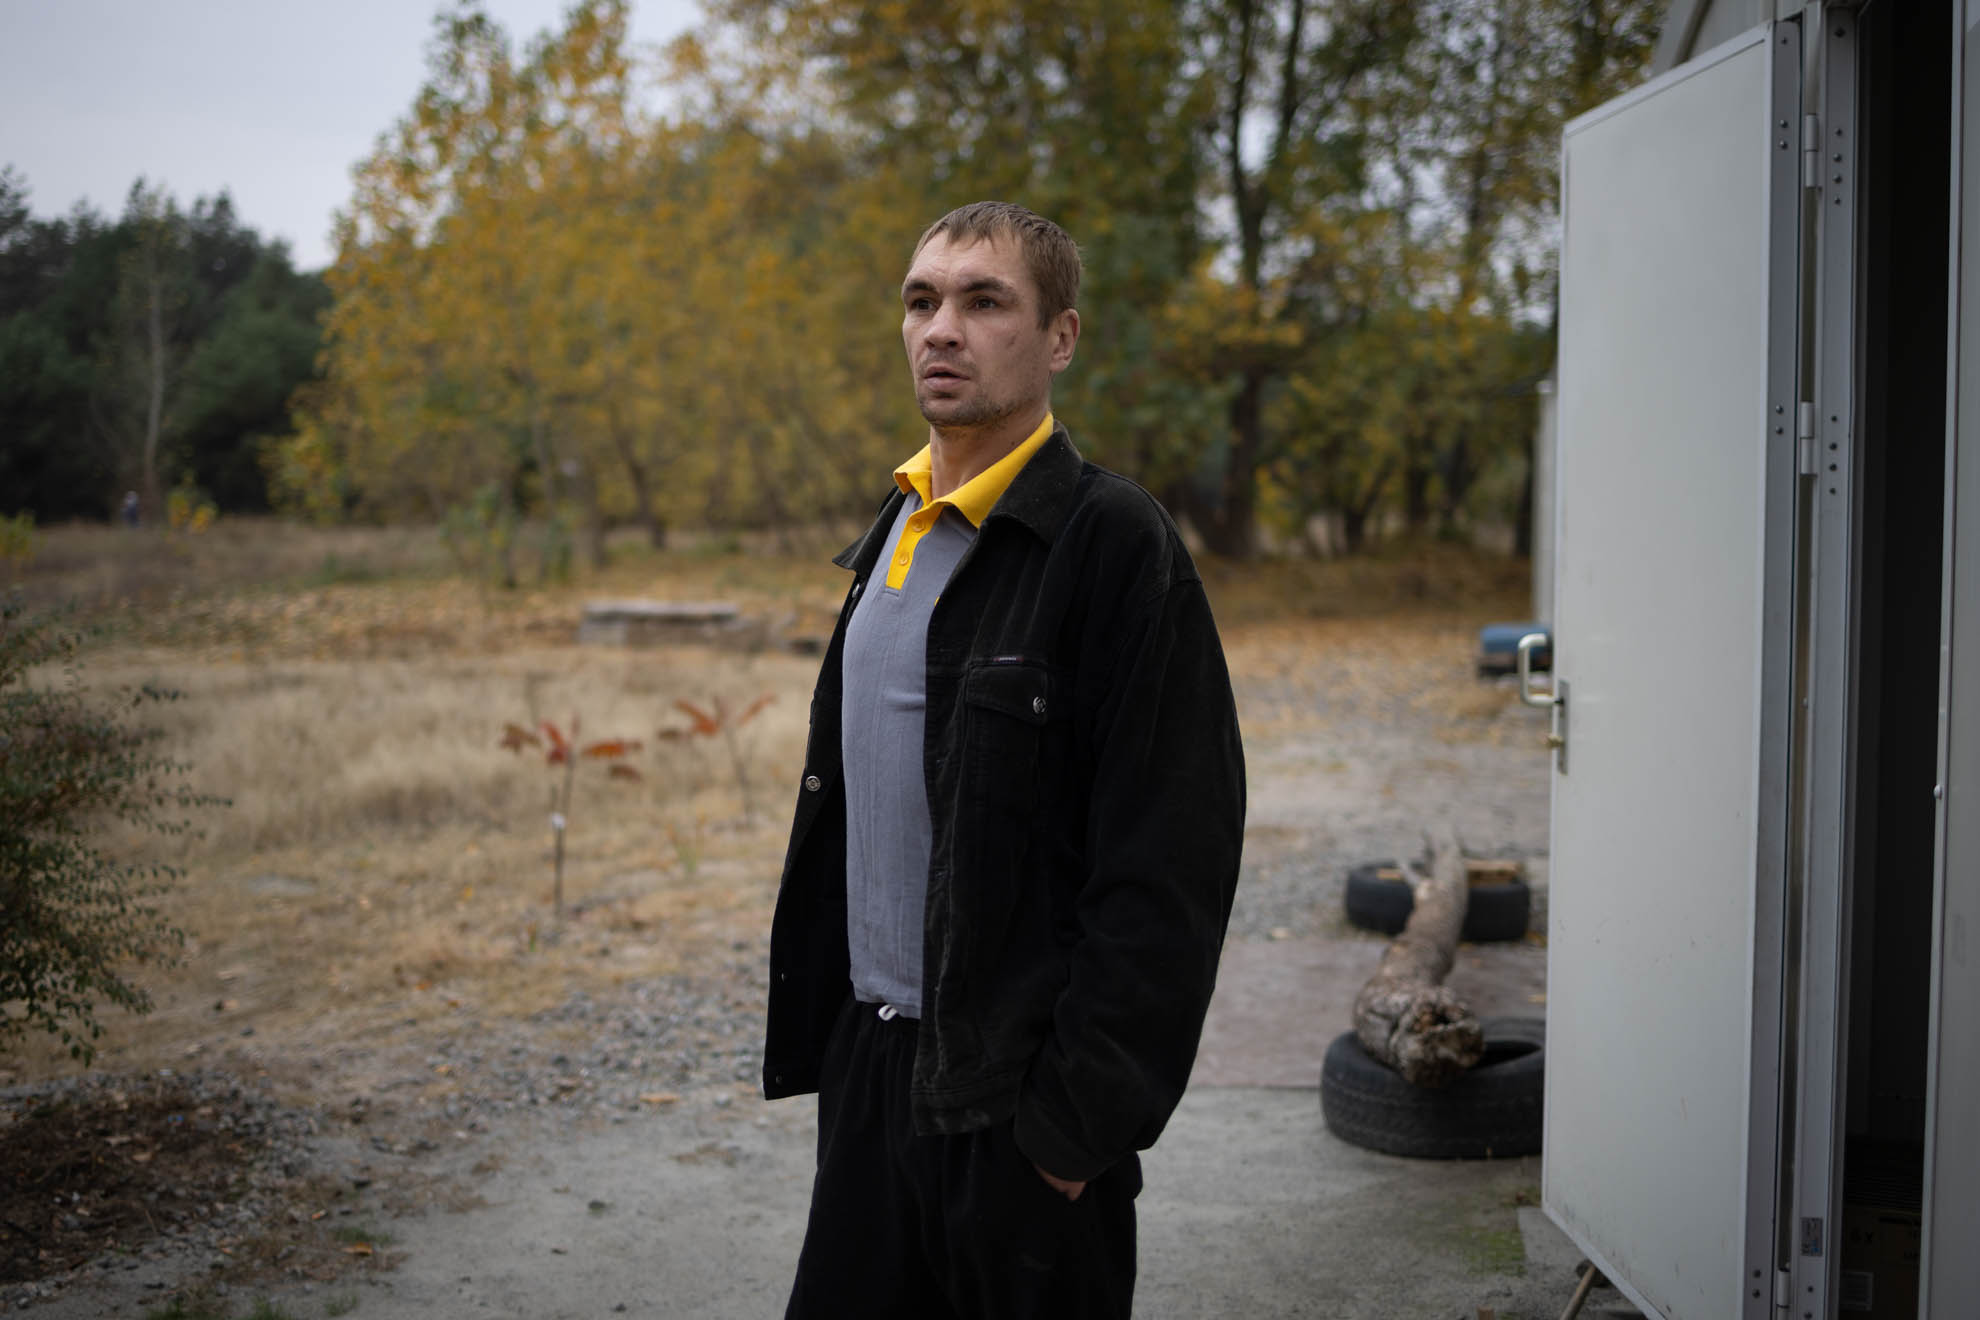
1405	1016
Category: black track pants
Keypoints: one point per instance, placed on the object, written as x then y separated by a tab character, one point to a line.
927	1227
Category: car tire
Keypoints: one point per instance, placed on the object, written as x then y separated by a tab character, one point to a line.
1379	902
1491	1111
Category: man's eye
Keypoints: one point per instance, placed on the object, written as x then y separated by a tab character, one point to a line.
986	301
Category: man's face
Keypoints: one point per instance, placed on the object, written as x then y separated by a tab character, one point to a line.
970	325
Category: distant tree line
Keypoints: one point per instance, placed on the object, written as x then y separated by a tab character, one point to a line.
1319	237
158	350
1320	241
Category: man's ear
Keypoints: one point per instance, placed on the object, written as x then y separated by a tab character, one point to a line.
1065	338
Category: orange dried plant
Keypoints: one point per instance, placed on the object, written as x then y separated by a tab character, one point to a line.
559	750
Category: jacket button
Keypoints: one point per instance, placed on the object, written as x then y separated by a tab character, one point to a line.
1038	705
812	783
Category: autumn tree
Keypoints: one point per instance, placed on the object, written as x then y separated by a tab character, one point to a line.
1083	111
1297	86
543	293
1496	81
430	395
1317	239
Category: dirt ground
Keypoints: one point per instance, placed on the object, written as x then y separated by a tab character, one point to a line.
380	1011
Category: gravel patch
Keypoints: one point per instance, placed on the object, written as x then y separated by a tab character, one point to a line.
195	1183
1371	782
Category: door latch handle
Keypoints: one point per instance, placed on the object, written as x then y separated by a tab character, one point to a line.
1553	699
1527	694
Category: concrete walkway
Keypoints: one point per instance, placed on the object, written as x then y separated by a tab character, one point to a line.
1252	1207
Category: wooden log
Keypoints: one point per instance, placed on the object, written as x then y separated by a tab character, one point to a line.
1406	1016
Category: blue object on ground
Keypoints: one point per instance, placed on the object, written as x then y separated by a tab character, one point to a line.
1498	647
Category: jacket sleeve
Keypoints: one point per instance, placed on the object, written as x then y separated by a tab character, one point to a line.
1165	831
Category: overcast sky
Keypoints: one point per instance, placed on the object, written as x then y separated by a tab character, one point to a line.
273	100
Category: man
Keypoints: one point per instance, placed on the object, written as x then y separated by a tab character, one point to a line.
1017	836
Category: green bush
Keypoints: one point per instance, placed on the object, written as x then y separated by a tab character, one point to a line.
18	542
72	917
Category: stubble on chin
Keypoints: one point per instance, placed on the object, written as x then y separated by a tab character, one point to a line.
962	414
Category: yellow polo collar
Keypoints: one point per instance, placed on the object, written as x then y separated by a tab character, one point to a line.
973	499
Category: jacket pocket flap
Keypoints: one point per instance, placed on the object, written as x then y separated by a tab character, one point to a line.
1021	690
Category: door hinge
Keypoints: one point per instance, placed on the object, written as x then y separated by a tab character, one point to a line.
1804	436
1783	1289
1811	151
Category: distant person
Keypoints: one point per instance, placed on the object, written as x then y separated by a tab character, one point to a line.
1017	837
130	509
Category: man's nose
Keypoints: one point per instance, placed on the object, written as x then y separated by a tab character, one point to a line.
943	329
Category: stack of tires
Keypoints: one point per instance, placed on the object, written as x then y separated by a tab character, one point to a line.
1493	1110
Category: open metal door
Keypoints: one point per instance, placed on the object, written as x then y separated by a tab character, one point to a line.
1674	615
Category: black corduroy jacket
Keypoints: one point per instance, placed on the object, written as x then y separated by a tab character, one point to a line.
1086	793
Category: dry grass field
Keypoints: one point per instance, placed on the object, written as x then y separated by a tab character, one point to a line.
384	868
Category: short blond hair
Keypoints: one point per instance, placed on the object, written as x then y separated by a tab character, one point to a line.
1049	252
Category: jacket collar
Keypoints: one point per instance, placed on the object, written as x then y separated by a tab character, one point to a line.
1039	497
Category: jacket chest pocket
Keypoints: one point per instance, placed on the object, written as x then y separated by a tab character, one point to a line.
1009	708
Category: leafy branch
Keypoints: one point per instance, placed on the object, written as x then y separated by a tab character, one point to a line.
71	914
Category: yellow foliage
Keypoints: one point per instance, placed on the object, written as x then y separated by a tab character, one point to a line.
543	290
187	509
